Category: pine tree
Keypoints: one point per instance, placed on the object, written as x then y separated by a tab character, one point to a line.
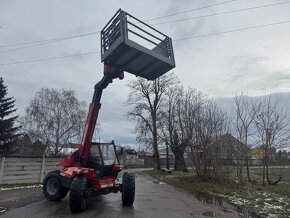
7	129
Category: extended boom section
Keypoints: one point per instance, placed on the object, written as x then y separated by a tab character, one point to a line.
110	73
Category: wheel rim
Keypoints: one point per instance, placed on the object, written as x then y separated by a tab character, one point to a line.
52	186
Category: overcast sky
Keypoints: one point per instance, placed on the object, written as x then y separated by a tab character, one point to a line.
257	60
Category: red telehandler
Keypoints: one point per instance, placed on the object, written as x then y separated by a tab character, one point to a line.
94	167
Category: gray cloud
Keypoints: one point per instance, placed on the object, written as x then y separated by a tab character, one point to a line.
218	66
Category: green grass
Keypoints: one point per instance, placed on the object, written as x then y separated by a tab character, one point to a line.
263	200
256	174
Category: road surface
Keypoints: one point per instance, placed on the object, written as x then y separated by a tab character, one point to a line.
153	199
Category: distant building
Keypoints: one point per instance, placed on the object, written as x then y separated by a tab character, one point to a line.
142	154
130	152
228	148
129	155
163	153
24	147
258	153
131	158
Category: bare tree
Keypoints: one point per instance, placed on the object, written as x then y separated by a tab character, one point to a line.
210	124
55	117
271	123
246	110
146	97
178	121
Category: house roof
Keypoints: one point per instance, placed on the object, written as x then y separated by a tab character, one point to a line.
226	139
217	139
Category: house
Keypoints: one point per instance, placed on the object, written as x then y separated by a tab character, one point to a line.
163	153
24	147
129	155
227	148
144	154
131	158
258	153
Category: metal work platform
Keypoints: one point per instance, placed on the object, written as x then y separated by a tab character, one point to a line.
135	47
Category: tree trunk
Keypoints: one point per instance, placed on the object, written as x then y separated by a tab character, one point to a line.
267	171
248	170
241	169
156	160
56	150
247	160
206	161
155	145
179	159
156	154
263	171
196	161
266	165
180	164
167	157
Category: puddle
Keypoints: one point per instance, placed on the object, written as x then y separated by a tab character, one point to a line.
227	207
156	182
210	214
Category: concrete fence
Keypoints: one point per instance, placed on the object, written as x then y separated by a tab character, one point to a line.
26	170
33	169
15	170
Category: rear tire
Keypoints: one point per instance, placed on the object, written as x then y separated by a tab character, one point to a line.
128	189
77	194
52	188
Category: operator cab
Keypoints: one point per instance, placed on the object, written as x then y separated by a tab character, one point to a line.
102	158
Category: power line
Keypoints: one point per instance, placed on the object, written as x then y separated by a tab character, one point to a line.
176	40
221	13
25	43
195	9
231	31
51	58
30	46
52	40
44	42
69	37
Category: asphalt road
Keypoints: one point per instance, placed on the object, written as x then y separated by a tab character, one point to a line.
153	199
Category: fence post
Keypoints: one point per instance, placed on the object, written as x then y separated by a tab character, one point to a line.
42	169
2	169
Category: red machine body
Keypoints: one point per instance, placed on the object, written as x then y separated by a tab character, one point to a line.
73	167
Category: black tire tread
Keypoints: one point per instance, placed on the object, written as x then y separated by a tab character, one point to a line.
77	195
62	192
128	189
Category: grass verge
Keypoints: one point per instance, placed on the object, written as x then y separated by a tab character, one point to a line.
266	201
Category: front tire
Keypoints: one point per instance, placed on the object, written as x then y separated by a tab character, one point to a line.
77	194
52	188
128	189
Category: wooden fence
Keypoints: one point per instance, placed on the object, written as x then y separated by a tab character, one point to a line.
26	170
